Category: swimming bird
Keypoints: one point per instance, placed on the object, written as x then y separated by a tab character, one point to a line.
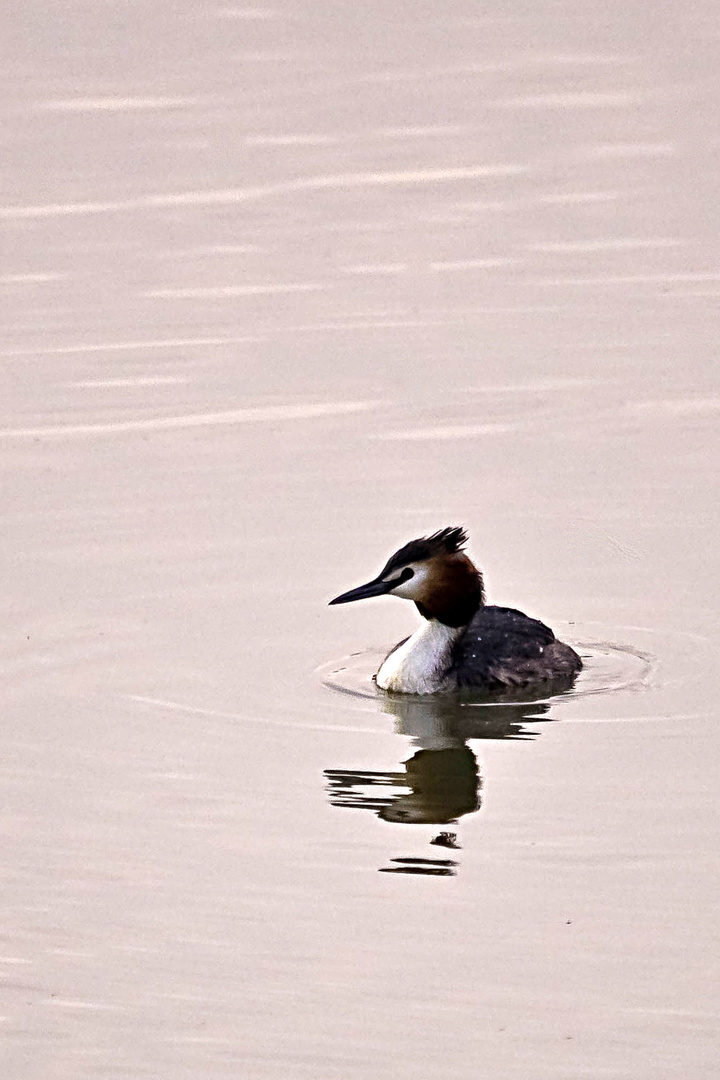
463	642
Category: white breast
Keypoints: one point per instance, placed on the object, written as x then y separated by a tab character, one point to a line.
420	664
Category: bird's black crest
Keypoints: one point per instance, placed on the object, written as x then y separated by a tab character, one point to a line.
445	541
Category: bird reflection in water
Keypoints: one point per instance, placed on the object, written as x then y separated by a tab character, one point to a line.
441	782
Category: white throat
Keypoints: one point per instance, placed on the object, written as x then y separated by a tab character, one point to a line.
420	664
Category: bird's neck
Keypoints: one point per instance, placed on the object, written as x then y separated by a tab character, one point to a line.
420	665
454	592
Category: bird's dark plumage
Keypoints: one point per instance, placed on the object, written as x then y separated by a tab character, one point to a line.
501	647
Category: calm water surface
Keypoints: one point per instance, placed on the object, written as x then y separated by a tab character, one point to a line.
283	288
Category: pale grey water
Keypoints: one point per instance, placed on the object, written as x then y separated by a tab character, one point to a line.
281	289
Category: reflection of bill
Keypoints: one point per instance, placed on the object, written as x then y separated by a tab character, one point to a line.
441	782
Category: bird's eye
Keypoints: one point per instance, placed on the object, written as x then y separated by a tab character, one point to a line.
407	573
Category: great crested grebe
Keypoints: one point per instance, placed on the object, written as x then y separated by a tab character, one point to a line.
463	642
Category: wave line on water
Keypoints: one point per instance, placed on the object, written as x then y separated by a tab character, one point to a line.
121	346
582	99
629	279
459	431
194	710
193	420
222	196
208	292
114	104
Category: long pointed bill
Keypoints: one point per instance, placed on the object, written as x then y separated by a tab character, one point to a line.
373	588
